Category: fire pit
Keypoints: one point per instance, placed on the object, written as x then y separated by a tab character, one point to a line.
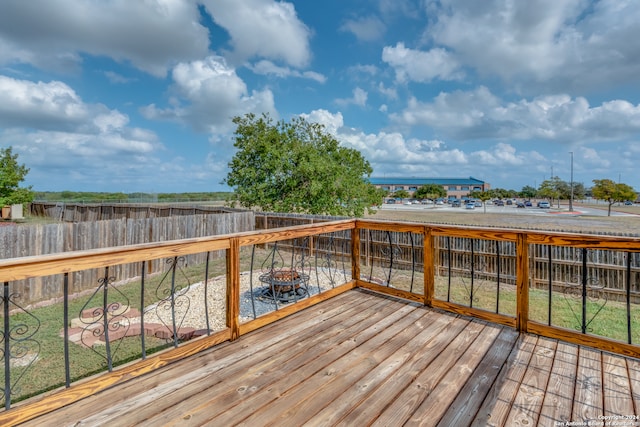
284	285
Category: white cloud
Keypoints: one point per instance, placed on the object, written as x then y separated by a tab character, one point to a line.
117	78
44	105
57	134
564	45
332	122
367	28
265	67
367	69
420	66
359	98
150	34
263	28
479	114
389	92
208	94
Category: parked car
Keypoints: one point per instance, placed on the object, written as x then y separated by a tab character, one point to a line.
470	205
478	203
520	205
628	203
544	205
509	202
498	203
456	204
527	203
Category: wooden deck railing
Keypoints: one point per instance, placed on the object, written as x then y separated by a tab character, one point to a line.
329	258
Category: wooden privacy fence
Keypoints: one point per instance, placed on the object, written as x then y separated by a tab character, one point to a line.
79	212
33	240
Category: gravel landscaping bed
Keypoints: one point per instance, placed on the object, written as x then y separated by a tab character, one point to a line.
190	302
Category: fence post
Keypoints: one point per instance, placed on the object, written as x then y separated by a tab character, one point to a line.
428	267
355	252
233	288
522	282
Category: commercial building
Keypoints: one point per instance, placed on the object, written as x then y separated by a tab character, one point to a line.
455	187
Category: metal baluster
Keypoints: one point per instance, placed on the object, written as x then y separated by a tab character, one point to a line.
7	348
65	308
472	273
550	274
105	318
206	291
390	258
449	268
584	290
413	262
142	310
628	280
371	255
253	296
173	302
498	276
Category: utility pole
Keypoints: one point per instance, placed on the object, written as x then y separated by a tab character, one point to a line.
571	198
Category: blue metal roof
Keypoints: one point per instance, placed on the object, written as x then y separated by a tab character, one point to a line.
424	181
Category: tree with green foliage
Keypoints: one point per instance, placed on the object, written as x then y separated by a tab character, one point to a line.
612	192
430	191
11	175
528	192
551	189
579	191
297	167
401	194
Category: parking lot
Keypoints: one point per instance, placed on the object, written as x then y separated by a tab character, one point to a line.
508	209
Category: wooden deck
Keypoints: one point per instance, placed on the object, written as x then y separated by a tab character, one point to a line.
362	359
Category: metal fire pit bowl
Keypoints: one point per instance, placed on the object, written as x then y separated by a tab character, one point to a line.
284	285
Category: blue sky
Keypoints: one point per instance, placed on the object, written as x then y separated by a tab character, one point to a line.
121	95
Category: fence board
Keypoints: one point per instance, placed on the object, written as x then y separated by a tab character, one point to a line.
43	239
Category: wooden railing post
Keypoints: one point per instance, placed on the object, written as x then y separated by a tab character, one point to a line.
522	282
233	288
428	267
355	252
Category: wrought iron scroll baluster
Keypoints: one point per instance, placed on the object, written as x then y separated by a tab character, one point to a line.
174	299
106	320
105	317
19	350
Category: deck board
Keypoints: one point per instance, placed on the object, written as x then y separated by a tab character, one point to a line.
558	400
364	359
528	402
